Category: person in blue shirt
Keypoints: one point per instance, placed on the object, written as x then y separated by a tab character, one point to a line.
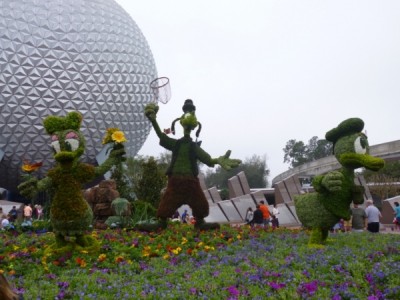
184	216
397	215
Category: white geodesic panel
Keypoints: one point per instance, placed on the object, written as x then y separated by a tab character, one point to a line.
57	56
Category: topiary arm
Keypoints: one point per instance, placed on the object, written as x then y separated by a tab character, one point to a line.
31	187
331	182
117	156
150	112
227	163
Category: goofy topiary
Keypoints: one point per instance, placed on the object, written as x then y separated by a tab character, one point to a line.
183	184
335	191
70	214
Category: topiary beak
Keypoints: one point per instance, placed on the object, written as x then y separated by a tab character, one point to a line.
354	161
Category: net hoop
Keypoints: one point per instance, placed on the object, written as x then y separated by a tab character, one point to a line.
161	89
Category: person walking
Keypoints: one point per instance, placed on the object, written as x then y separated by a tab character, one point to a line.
185	216
249	216
358	219
265	212
397	215
373	214
14	214
258	218
28	212
275	219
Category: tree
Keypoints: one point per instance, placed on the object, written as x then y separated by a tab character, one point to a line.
254	167
150	181
297	153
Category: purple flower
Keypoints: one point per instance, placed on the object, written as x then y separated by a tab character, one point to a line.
193	291
63	284
216	273
276	285
233	291
51	276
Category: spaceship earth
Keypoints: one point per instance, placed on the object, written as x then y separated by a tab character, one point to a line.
58	56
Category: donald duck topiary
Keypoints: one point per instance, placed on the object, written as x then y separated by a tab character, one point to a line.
70	214
334	192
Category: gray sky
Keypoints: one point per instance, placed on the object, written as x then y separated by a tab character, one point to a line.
263	72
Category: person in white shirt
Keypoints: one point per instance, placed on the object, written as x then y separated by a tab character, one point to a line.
373	216
275	213
249	216
4	223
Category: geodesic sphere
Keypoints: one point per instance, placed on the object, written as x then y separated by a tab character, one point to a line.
58	56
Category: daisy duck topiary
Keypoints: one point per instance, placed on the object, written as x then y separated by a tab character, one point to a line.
70	214
336	190
183	184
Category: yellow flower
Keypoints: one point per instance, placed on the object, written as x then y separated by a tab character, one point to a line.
102	257
177	250
118	137
107	138
184	240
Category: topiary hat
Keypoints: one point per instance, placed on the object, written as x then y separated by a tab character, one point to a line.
347	127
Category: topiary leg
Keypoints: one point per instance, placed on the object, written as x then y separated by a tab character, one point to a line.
81	240
60	240
202	225
317	236
324	235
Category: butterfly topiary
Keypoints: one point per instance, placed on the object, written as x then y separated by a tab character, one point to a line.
70	214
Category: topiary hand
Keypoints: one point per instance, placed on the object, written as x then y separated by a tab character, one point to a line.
118	152
228	163
29	189
150	111
333	181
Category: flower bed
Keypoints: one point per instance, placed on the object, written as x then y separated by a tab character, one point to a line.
230	263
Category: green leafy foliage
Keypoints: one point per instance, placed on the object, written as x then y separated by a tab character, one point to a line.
150	181
255	168
298	153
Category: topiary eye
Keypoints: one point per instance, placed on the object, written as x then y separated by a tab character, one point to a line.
56	146
71	141
360	144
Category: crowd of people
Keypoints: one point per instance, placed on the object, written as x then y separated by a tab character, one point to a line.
25	213
367	219
361	220
262	216
184	218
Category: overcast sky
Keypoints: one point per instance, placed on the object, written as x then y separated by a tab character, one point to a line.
263	72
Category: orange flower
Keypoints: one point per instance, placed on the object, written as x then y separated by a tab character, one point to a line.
81	262
119	259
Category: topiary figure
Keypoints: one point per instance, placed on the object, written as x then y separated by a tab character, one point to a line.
70	214
183	185
335	191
